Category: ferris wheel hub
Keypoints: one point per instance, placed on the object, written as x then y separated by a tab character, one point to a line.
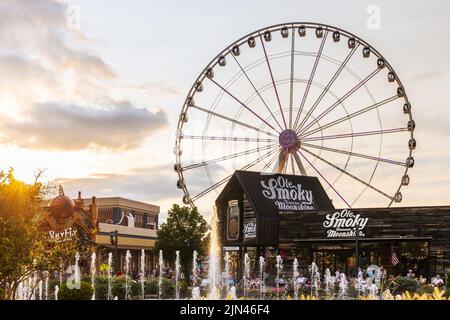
289	140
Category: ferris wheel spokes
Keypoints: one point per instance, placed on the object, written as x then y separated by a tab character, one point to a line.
359	155
256	90
350	116
342	99
328	86
227	157
233	120
224	180
349	174
325	179
311	77
355	134
273	80
243	104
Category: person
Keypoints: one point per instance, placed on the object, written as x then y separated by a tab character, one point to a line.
422	280
438	281
360	273
410	274
383	272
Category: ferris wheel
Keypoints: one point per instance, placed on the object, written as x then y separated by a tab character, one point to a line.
301	99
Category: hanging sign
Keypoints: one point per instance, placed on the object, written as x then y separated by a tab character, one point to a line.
287	196
343	224
249	230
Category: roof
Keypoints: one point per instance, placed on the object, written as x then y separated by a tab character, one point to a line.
272	194
123	203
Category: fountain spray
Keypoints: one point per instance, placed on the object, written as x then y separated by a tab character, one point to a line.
110	257
142	274
295	275
214	267
246	273
262	285
77	270
195	288
279	266
177	274
93	272
46	279
227	271
161	266
127	272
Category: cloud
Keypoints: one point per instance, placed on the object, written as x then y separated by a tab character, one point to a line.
70	127
55	91
150	184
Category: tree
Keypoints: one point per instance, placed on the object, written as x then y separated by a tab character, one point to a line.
24	249
184	231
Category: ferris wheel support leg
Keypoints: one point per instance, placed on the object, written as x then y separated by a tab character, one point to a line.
299	164
281	163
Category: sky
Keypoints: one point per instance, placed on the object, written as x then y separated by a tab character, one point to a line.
91	90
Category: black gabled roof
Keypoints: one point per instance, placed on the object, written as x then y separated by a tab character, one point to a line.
252	182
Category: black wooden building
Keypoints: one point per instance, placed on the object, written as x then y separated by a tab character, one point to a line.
293	216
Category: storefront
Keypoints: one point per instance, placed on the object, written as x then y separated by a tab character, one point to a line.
292	216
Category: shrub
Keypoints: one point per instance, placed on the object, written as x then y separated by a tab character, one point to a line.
402	284
84	293
101	288
429	289
2	294
168	287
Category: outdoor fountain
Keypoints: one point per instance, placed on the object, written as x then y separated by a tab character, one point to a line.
46	279
315	278
329	283
295	275
77	268
56	292
232	294
343	285
127	273
214	267
160	276
109	294
279	266
40	289
195	288
93	272
142	274
227	272
246	273
262	285
177	274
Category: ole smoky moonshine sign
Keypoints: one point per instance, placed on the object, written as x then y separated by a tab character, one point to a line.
287	195
344	224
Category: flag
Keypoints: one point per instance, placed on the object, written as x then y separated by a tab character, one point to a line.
394	258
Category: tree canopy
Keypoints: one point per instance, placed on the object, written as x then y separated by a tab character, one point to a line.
184	231
24	249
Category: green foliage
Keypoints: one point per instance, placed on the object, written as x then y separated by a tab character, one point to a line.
183	231
2	294
401	284
84	293
429	289
20	204
168	287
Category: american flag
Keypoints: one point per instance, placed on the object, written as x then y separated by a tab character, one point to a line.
394	258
